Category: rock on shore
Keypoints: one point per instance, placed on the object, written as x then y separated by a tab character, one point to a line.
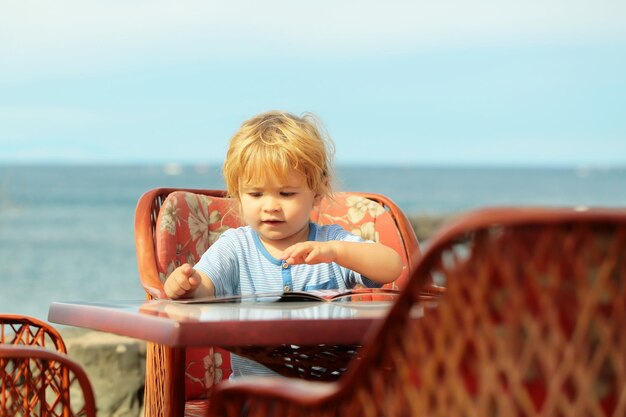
116	367
425	225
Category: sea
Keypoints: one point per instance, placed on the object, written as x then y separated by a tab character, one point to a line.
67	234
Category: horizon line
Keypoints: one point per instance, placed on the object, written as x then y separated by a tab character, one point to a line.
174	166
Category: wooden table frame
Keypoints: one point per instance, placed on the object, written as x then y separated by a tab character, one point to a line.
171	327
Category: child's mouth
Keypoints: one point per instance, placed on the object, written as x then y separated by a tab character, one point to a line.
272	222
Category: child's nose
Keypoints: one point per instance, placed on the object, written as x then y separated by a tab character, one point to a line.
270	204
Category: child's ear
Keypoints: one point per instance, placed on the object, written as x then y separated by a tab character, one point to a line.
317	199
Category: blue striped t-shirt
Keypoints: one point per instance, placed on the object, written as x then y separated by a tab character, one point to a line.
238	263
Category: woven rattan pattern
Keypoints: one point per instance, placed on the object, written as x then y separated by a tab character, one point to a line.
155	357
36	377
532	324
318	363
39	382
22	330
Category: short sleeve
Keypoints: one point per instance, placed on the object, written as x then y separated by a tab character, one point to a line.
221	265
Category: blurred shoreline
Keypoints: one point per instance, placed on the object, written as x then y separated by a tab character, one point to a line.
425	225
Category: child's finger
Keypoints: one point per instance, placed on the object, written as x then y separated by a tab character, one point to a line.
300	250
311	257
187	269
173	289
287	253
194	280
184	281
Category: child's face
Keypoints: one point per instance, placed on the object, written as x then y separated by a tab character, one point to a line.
279	211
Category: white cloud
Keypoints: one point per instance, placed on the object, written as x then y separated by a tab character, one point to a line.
74	36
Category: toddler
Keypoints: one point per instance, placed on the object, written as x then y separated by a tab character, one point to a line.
277	168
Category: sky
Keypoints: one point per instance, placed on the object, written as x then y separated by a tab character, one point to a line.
399	82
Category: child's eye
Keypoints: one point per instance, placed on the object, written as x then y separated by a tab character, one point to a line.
255	195
287	193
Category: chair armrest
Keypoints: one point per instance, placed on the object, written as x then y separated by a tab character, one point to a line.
40	379
146	214
18	329
255	394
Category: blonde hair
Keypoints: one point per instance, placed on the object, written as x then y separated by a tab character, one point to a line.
273	144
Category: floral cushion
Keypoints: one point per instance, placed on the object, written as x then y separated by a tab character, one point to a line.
365	218
205	367
188	223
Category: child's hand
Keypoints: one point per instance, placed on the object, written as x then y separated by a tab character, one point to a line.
182	282
310	253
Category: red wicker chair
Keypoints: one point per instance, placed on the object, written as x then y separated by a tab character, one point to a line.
532	323
36	376
36	381
16	329
174	226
